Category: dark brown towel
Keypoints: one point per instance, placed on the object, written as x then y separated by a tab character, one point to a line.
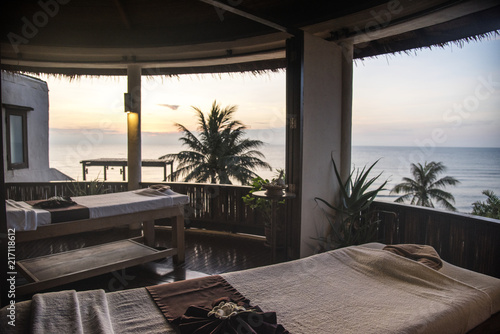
64	214
173	299
199	320
421	253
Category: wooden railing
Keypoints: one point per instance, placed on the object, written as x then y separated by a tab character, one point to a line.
214	207
24	191
468	241
218	207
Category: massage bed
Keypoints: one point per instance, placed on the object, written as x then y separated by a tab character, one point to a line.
92	213
357	289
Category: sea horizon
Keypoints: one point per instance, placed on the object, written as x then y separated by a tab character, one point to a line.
477	168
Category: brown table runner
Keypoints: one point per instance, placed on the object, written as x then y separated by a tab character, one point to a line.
173	299
66	214
188	304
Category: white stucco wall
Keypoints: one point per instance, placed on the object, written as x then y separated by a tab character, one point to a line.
26	91
321	133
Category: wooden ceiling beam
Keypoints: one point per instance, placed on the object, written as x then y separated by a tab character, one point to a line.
252	16
407	20
123	14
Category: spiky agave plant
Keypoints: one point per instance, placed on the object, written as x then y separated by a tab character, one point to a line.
351	223
93	187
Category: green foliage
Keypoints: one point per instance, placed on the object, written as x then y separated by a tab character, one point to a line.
261	204
490	208
220	152
426	187
93	187
352	223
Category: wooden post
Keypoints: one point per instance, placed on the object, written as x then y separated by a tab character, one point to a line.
178	237
84	170
345	143
134	128
293	157
148	231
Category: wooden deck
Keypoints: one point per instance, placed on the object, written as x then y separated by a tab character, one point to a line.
206	254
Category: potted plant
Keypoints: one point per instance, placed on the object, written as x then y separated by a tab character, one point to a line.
350	221
262	205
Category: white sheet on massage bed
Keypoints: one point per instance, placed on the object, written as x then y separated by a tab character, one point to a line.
24	217
327	293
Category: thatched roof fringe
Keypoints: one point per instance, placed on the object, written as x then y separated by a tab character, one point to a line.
394	50
251	68
463	41
396	46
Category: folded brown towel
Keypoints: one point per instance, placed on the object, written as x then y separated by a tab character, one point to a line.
159	187
421	253
55	202
174	298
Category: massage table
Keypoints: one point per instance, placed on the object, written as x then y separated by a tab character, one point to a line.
93	213
357	289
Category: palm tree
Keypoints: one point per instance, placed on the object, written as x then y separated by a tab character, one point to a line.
489	208
221	153
425	186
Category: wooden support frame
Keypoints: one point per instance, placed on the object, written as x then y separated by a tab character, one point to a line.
96	260
56	269
88	225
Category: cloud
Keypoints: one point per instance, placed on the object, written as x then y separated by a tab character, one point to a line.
170	106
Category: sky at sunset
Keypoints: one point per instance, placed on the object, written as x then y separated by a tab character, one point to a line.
441	97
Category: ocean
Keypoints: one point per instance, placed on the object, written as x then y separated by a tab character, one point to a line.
477	169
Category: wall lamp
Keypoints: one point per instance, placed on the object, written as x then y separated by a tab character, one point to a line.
128	102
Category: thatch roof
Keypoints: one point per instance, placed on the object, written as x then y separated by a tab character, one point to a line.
171	37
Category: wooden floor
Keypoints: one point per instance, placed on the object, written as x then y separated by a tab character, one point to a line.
206	254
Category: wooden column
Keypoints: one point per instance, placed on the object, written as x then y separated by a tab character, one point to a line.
294	80
134	127
346	140
314	132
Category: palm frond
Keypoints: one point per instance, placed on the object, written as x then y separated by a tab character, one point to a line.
425	186
220	152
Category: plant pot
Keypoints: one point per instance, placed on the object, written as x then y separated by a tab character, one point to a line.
268	234
274	189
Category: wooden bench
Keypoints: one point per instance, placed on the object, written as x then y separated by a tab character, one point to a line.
56	269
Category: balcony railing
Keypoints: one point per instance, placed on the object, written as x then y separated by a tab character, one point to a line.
468	241
214	207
